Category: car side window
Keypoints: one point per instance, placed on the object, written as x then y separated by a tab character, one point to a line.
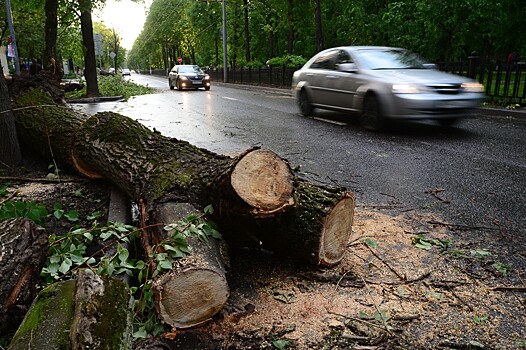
343	57
327	61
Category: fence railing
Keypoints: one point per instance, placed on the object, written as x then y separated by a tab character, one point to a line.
502	80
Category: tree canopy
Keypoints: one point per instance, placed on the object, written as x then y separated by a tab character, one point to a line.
440	30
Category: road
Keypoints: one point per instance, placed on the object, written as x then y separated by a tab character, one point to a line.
473	174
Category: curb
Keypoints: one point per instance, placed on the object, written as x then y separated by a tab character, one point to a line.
502	112
96	99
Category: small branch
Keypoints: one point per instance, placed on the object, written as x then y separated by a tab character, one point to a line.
42	180
403	278
514	289
435	193
11	196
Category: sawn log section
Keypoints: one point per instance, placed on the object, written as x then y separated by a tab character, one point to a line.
255	194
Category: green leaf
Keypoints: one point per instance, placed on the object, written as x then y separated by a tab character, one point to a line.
209	209
65	266
72	215
370	243
93	215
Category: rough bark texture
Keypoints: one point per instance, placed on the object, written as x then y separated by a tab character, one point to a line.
10	154
317	229
196	289
254	193
50	130
152	167
88	313
23	249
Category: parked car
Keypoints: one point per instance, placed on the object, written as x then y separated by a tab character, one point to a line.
125	71
381	84
188	77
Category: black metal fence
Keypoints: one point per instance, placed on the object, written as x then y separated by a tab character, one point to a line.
502	80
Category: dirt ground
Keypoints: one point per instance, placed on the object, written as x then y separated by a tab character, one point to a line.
409	280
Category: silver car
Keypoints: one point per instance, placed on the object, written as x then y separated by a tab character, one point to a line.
188	77
381	84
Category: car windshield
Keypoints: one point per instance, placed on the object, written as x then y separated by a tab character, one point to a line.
390	59
190	69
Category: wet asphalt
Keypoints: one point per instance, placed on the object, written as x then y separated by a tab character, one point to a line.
472	175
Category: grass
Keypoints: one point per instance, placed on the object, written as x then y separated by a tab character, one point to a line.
114	86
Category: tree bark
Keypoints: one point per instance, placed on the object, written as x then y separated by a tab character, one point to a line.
254	193
23	250
87	313
50	51
10	154
196	289
90	72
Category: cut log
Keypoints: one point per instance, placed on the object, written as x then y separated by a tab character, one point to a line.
87	313
50	130
196	288
253	192
152	167
23	250
317	229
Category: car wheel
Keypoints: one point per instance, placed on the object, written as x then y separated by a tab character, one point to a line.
179	86
448	121
372	118
207	88
171	86
304	103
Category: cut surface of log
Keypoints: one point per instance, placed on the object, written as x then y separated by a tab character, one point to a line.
196	289
264	181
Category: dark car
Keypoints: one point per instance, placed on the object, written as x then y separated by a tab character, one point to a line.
188	77
381	84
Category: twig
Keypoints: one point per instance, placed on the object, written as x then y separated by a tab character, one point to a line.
514	289
358	319
403	278
459	226
435	193
11	196
42	180
384	321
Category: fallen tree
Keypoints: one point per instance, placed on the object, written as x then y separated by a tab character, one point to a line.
255	194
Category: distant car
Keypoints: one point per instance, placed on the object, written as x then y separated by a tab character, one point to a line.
188	77
126	71
381	84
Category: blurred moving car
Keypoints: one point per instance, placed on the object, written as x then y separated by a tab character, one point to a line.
188	77
126	71
381	84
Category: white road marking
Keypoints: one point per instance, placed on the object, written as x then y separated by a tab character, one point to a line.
330	121
230	98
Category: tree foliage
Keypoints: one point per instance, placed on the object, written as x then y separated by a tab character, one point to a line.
438	29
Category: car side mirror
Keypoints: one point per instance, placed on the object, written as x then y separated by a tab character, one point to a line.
348	67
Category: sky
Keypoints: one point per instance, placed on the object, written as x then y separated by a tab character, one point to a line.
126	16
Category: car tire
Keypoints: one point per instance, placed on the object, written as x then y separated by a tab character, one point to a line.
207	88
372	118
179	86
171	86
304	103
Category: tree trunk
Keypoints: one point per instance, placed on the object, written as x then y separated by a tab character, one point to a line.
50	51
196	289
10	154
90	63
256	188
319	27
23	250
87	313
247	31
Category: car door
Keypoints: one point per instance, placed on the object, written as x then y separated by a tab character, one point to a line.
316	76
337	87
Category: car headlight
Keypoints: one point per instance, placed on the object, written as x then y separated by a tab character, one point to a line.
207	77
408	88
472	87
182	77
